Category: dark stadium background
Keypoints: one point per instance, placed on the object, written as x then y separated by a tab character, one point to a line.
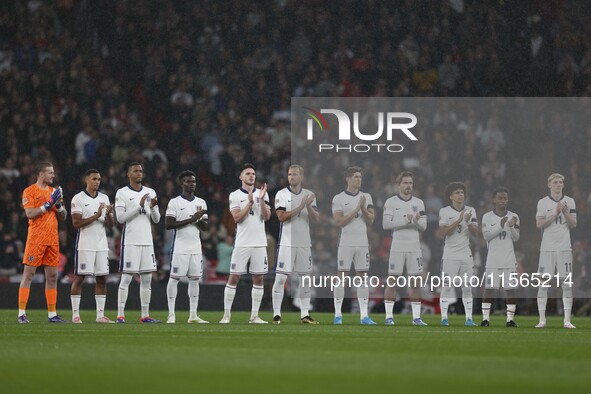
207	86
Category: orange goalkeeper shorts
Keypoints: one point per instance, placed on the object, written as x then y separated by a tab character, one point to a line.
38	255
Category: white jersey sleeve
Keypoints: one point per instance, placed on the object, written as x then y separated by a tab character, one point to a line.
92	237
556	236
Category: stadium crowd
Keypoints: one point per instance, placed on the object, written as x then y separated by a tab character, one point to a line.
207	86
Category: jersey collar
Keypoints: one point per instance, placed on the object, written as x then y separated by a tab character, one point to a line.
291	190
88	194
495	212
351	194
400	197
457	210
193	199
137	191
551	198
246	191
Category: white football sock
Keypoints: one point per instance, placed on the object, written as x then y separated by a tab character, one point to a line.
567	301
257	296
468	301
193	291
278	293
122	293
542	301
229	293
100	305
389	309
339	295
486	310
363	298
305	295
145	293
75	305
171	293
511	311
416	309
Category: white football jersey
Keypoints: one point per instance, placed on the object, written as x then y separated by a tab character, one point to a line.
92	237
251	231
555	237
137	230
186	239
501	253
405	236
457	245
296	231
355	232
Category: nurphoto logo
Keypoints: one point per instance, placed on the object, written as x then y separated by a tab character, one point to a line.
395	122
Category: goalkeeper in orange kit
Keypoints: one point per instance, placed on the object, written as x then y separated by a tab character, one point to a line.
43	205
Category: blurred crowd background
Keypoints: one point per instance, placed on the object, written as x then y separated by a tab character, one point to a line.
207	85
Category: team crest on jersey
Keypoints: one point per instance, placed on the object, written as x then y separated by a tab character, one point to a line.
415	208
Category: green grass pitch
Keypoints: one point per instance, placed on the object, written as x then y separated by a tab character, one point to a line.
291	358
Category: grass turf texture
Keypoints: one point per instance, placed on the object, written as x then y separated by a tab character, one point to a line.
291	357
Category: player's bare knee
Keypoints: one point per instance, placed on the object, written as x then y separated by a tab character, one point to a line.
233	279
257	280
51	277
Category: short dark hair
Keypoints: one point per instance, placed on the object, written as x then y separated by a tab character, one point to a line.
41	166
349	172
500	189
133	164
404	174
185	174
453	186
91	171
246	166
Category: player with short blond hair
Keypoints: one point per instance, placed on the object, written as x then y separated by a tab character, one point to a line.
556	215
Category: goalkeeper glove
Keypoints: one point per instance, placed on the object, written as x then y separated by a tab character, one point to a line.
53	200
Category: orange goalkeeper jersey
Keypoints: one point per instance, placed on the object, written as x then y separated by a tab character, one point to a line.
43	228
